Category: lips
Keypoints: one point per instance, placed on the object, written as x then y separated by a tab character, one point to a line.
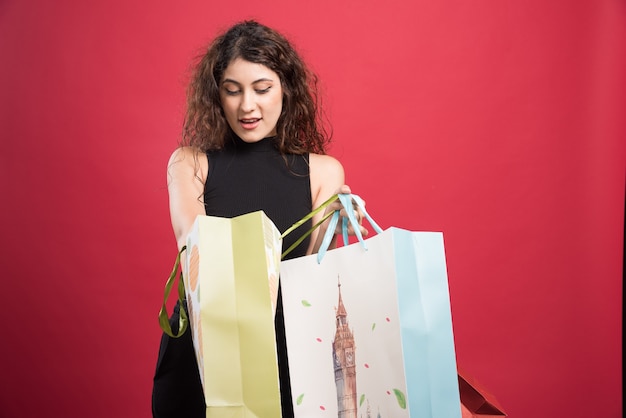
249	124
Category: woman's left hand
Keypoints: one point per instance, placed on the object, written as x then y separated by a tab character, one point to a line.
343	213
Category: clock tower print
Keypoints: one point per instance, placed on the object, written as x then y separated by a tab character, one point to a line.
344	364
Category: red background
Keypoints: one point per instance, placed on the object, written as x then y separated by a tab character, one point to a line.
500	123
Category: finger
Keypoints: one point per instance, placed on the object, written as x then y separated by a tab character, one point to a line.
345	189
358	214
351	231
343	212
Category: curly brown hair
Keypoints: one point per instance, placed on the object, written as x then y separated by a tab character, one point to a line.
300	127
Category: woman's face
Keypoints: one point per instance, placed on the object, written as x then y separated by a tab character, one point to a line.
252	99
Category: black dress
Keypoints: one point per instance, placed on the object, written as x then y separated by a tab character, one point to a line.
242	178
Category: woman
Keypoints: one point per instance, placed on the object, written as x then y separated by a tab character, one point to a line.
252	141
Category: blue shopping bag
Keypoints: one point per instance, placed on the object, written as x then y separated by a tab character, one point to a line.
369	329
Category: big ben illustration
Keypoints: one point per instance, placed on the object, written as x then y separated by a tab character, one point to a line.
344	363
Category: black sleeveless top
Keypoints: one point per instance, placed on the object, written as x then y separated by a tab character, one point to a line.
246	177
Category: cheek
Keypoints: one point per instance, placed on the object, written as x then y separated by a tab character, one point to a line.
228	109
278	103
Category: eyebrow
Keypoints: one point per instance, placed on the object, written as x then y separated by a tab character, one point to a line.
229	80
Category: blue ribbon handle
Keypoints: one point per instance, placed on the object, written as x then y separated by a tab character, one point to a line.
347	202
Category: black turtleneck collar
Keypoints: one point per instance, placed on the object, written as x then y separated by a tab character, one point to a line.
264	145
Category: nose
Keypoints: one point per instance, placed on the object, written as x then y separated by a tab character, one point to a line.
248	102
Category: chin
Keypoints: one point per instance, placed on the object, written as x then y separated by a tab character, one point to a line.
251	136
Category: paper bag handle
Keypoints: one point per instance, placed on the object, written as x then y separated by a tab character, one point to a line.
347	200
183	320
303	220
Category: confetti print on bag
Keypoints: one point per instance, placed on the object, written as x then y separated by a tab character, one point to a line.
400	397
194	265
273	283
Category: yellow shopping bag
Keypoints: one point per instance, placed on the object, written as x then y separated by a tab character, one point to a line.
231	288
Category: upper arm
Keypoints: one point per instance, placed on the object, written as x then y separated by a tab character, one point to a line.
186	174
327	177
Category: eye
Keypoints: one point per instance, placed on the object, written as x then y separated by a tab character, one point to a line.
231	92
263	91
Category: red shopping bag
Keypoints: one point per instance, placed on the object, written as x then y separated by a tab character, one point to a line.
476	402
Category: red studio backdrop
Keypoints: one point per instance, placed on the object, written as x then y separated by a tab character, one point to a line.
500	123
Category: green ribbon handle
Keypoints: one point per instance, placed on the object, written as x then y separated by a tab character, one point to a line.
183	320
347	201
303	220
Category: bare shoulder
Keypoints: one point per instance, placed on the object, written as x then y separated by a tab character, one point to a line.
327	175
322	165
184	155
187	160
